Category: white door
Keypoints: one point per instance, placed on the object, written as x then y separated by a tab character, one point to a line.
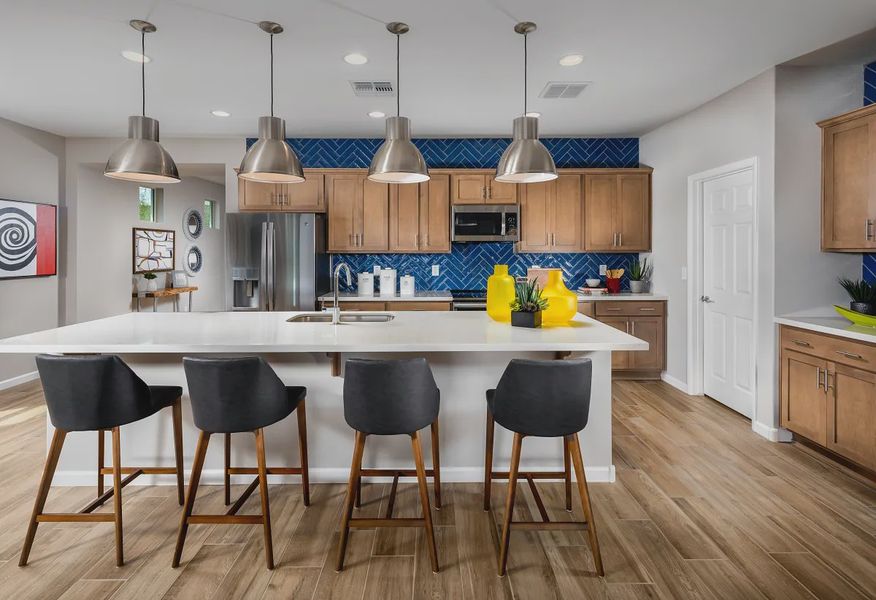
728	290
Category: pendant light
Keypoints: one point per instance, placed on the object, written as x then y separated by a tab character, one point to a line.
142	158
398	160
526	160
271	159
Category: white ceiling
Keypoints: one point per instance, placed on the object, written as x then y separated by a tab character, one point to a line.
649	61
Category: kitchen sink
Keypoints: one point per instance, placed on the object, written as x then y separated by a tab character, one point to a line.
343	318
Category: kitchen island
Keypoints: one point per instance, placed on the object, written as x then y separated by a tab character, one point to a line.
467	352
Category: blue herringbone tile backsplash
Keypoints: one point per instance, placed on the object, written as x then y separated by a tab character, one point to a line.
869	263
870	268
468	265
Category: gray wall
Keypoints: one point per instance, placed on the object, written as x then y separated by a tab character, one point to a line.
31	168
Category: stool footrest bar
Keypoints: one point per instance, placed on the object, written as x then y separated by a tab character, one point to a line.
394	522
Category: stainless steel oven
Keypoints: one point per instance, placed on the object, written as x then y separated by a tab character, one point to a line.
486	223
469	299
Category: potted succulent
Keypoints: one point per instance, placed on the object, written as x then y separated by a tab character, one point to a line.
151	284
862	293
640	275
527	305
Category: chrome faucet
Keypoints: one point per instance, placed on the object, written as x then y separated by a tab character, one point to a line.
336	310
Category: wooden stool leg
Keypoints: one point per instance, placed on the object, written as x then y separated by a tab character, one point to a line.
358	502
227	476
488	460
424	500
355	467
178	451
117	495
302	451
101	440
509	503
436	464
43	492
575	449
567	468
263	492
197	466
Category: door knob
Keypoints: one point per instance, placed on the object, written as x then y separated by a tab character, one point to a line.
706	299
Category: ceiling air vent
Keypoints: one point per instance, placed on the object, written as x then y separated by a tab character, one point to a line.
373	88
563	89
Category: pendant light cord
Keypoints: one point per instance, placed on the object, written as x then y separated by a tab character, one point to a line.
272	74
397	75
143	71
525	71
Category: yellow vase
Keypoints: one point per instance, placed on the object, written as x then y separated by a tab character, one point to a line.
500	294
562	303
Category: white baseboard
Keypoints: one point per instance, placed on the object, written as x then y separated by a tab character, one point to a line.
676	383
773	434
18	380
318	475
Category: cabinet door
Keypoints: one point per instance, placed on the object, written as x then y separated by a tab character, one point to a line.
344	193
600	193
851	415
619	360
252	195
535	217
435	214
848	178
803	401
649	329
501	193
308	196
566	214
632	218
468	188
404	218
374	216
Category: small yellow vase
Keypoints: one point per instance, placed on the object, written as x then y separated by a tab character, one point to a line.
500	294
562	303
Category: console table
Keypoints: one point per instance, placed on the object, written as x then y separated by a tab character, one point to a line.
175	293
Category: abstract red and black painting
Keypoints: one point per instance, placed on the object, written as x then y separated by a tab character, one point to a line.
28	239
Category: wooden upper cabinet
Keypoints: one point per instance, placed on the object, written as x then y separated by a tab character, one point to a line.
481	188
404	218
344	192
308	196
848	195
374	217
535	217
617	212
566	214
435	214
550	215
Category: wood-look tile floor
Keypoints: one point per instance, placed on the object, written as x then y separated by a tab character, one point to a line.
703	508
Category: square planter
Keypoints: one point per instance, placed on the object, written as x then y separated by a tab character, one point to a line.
526	319
639	287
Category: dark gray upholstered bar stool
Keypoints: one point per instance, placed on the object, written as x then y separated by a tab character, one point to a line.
236	395
390	397
541	398
99	393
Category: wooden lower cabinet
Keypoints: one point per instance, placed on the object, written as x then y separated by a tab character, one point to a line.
401	305
828	392
644	319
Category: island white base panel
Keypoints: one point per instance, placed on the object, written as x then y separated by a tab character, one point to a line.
463	378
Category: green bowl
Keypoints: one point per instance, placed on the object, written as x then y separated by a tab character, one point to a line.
856	317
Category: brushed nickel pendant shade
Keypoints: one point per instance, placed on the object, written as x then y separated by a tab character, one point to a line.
271	159
141	158
398	160
526	160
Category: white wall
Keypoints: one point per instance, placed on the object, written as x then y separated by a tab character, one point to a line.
107	210
806	276
31	168
737	125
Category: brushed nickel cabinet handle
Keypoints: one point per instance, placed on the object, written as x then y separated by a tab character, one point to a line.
802	343
646	309
484	192
851	355
868	233
827	384
818	377
620	238
612	309
489	192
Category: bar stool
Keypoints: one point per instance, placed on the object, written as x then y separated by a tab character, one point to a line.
236	395
390	397
541	398
99	393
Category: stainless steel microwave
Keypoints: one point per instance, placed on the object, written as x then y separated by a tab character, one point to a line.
486	223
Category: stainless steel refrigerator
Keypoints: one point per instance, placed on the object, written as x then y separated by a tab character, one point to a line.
277	260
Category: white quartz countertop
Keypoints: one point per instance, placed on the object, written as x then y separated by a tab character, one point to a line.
582	297
831	326
268	332
420	296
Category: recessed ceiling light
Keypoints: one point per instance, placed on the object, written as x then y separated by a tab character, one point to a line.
376	114
355	58
220	113
533	114
570	60
135	56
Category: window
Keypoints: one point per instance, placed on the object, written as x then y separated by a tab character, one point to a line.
211	214
149	204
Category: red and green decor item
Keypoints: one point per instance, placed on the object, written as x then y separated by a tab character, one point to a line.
28	239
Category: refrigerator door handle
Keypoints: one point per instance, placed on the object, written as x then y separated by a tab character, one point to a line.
263	269
271	264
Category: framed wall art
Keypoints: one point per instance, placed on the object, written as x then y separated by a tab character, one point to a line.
28	239
154	250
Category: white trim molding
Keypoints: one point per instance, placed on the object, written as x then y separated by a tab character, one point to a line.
18	380
773	434
675	382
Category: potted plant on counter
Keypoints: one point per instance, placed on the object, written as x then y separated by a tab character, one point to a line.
151	284
640	276
862	293
528	304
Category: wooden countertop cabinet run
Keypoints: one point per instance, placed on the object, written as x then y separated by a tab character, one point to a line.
827	391
848	181
397	305
645	319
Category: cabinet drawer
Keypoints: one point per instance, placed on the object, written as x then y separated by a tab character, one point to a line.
608	308
367	305
420	305
840	350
